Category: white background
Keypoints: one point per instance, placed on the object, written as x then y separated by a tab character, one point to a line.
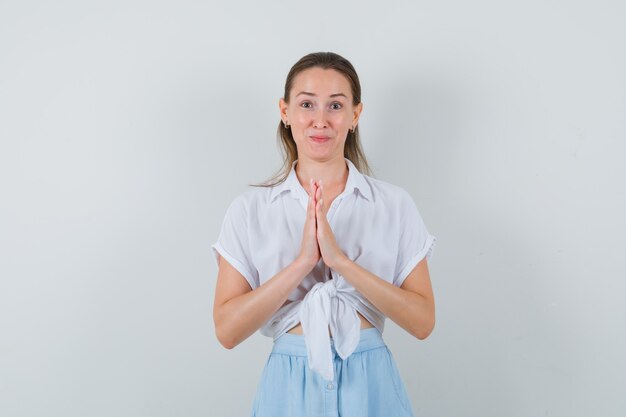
127	127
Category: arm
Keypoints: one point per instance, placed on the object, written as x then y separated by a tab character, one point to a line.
239	311
411	306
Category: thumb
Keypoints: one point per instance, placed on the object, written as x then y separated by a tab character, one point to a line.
312	202
318	209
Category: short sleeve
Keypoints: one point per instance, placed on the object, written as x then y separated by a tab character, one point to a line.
415	241
233	242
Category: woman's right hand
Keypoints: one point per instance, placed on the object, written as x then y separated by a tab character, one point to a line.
309	250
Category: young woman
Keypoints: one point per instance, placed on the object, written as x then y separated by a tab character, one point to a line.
320	258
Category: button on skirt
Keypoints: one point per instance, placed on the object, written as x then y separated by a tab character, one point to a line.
366	384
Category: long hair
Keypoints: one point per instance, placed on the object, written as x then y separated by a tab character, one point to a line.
352	148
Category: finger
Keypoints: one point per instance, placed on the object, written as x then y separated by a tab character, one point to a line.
317	212
320	206
313	196
320	218
310	210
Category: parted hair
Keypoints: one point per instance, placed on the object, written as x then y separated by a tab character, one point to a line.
352	149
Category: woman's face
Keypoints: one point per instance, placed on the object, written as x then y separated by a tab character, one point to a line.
320	112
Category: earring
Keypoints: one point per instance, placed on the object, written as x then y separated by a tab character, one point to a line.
286	125
352	129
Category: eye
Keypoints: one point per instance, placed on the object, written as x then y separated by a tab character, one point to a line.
304	103
336	104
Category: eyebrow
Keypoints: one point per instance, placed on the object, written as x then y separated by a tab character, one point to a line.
314	95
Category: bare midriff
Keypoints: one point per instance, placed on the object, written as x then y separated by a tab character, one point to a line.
364	325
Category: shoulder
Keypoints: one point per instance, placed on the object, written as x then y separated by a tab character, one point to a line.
387	193
250	200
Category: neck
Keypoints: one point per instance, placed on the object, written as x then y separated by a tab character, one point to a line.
332	172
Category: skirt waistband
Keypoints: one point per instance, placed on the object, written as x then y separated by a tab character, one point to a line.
294	344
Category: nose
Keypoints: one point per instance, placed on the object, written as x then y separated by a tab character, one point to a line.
319	122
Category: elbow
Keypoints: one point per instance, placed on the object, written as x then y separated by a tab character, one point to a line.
423	334
425	330
225	339
228	344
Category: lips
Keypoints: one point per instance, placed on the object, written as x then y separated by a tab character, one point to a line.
320	138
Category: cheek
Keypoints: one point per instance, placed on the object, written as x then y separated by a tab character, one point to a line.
302	117
343	118
338	120
299	117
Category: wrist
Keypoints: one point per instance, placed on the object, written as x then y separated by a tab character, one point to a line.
341	263
303	265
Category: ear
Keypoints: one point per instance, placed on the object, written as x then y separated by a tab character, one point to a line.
357	113
282	107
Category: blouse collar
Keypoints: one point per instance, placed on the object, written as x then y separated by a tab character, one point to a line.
356	180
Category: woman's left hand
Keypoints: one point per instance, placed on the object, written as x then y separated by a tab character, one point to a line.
330	251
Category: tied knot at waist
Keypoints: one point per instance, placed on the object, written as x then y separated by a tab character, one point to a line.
330	289
323	308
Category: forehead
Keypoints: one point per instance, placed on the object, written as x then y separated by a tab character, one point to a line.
322	82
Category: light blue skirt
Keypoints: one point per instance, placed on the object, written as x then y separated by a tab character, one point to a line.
366	384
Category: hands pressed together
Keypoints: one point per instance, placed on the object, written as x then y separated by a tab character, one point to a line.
318	239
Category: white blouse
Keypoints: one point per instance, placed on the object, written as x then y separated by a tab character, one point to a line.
376	224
